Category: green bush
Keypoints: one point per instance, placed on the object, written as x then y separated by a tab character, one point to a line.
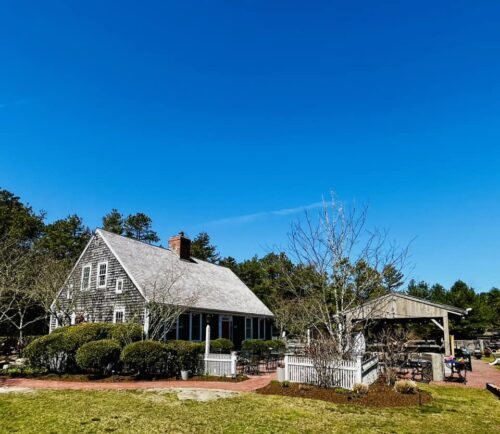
187	354
48	352
126	333
149	357
276	345
80	334
255	346
99	356
221	345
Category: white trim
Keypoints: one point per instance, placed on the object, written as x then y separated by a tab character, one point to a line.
98	275
89	266
98	231
118	310
118	291
73	318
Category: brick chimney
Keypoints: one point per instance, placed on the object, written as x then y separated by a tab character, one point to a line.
180	245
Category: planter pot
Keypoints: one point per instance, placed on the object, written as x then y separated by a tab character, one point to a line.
184	375
281	374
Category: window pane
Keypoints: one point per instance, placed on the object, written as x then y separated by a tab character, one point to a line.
248	328
195	327
86	278
102	274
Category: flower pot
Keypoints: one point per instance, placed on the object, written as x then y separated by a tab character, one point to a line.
184	375
281	374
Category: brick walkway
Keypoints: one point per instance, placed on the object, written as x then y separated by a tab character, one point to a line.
254	383
481	374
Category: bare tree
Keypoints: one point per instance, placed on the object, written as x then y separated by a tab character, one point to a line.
393	355
18	300
343	265
168	299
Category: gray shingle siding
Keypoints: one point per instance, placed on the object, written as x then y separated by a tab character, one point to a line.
100	303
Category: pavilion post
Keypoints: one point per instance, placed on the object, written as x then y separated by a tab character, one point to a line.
207	340
446	332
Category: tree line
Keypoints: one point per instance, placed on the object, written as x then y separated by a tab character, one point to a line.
324	272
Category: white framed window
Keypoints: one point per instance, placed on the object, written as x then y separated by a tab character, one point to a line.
119	315
69	291
102	274
86	273
73	318
119	286
248	327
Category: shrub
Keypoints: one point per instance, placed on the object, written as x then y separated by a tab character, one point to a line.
80	334
405	386
99	356
276	345
221	345
27	371
48	352
256	346
360	388
149	357
126	333
187	354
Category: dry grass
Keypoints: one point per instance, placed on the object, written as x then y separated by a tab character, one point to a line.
452	410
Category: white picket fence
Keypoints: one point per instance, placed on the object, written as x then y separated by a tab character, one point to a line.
345	373
220	365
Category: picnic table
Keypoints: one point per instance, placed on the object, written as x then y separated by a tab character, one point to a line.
421	369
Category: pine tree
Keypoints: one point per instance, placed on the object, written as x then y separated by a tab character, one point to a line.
114	222
201	248
139	227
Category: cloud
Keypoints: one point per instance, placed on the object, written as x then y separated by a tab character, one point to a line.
250	218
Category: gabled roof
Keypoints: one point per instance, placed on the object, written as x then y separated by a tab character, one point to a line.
399	305
208	286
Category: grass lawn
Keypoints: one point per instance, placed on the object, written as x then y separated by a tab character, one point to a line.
452	410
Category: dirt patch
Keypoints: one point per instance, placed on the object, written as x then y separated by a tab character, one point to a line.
15	389
202	395
377	396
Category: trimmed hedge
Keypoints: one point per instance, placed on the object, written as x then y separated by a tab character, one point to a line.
99	356
187	354
48	352
257	346
149	357
126	333
221	345
70	338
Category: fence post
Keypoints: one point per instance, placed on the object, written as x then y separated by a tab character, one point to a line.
287	367
359	369
233	363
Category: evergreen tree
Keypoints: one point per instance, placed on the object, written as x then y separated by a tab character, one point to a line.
139	227
114	222
64	239
230	263
420	289
201	248
18	221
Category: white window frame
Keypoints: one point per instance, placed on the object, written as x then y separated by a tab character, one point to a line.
118	310
249	318
73	318
119	291
69	291
89	266
98	280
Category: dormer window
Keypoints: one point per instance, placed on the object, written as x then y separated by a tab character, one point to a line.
119	286
86	277
102	274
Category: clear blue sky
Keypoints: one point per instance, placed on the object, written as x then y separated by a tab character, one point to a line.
201	111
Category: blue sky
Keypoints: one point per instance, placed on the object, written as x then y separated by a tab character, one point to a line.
198	112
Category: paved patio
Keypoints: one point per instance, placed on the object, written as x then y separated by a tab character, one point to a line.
481	374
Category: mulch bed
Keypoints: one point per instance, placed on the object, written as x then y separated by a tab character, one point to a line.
378	396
